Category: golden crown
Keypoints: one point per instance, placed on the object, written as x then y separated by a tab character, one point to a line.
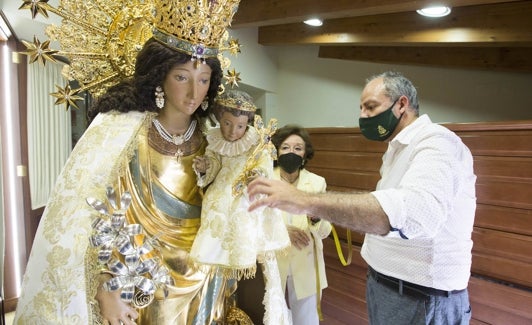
193	27
100	39
236	99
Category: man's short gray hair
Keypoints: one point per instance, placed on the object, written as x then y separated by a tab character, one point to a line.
397	85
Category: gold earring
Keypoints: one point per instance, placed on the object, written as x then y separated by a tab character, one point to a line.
205	104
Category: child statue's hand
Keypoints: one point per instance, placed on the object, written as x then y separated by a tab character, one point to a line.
200	164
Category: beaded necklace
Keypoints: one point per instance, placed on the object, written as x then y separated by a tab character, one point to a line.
176	139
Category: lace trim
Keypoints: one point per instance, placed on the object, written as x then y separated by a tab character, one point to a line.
218	144
92	267
237	273
132	146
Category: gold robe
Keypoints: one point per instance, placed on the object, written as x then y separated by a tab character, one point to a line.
167	203
61	275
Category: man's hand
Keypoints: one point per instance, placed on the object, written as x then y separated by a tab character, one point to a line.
277	194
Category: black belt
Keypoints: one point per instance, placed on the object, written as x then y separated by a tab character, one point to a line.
408	288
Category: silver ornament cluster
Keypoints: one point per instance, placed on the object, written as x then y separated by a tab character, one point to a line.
137	275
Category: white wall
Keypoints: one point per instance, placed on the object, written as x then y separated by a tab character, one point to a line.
318	92
256	63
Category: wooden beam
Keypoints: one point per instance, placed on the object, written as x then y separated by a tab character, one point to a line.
482	58
499	25
271	12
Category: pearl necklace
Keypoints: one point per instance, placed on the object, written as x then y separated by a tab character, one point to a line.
175	139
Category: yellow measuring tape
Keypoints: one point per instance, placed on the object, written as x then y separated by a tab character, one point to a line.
339	247
342	260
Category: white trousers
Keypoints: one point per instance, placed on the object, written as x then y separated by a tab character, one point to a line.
304	311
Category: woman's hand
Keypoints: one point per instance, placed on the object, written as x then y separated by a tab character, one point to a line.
114	310
298	237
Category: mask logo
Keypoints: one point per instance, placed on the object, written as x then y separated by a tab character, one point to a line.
382	130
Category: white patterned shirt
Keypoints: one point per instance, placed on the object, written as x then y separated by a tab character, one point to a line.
427	190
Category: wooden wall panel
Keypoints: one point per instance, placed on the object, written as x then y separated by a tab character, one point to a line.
344	299
494	303
348	160
503	256
503	244
344	140
512	193
501	269
490	143
514	220
511	167
501	283
348	179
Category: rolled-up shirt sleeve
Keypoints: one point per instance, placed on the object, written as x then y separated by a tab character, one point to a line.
419	202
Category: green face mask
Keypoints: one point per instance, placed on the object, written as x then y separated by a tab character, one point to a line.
379	127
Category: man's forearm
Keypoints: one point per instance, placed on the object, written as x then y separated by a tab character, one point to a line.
358	211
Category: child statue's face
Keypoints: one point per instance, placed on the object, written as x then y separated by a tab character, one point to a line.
233	127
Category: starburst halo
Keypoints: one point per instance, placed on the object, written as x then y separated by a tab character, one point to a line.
100	41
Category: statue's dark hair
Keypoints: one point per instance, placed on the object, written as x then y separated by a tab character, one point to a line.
153	63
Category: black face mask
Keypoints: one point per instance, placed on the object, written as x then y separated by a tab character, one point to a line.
290	162
379	127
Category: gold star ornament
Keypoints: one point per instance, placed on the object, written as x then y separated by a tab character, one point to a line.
36	6
66	96
38	51
232	78
234	46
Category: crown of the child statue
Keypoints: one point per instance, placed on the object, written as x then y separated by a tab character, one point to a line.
236	99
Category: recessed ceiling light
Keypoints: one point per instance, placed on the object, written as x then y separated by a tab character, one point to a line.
313	22
434	11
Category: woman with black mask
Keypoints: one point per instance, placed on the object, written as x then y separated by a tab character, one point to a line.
303	268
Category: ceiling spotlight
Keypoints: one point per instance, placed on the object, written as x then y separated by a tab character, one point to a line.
313	22
434	11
